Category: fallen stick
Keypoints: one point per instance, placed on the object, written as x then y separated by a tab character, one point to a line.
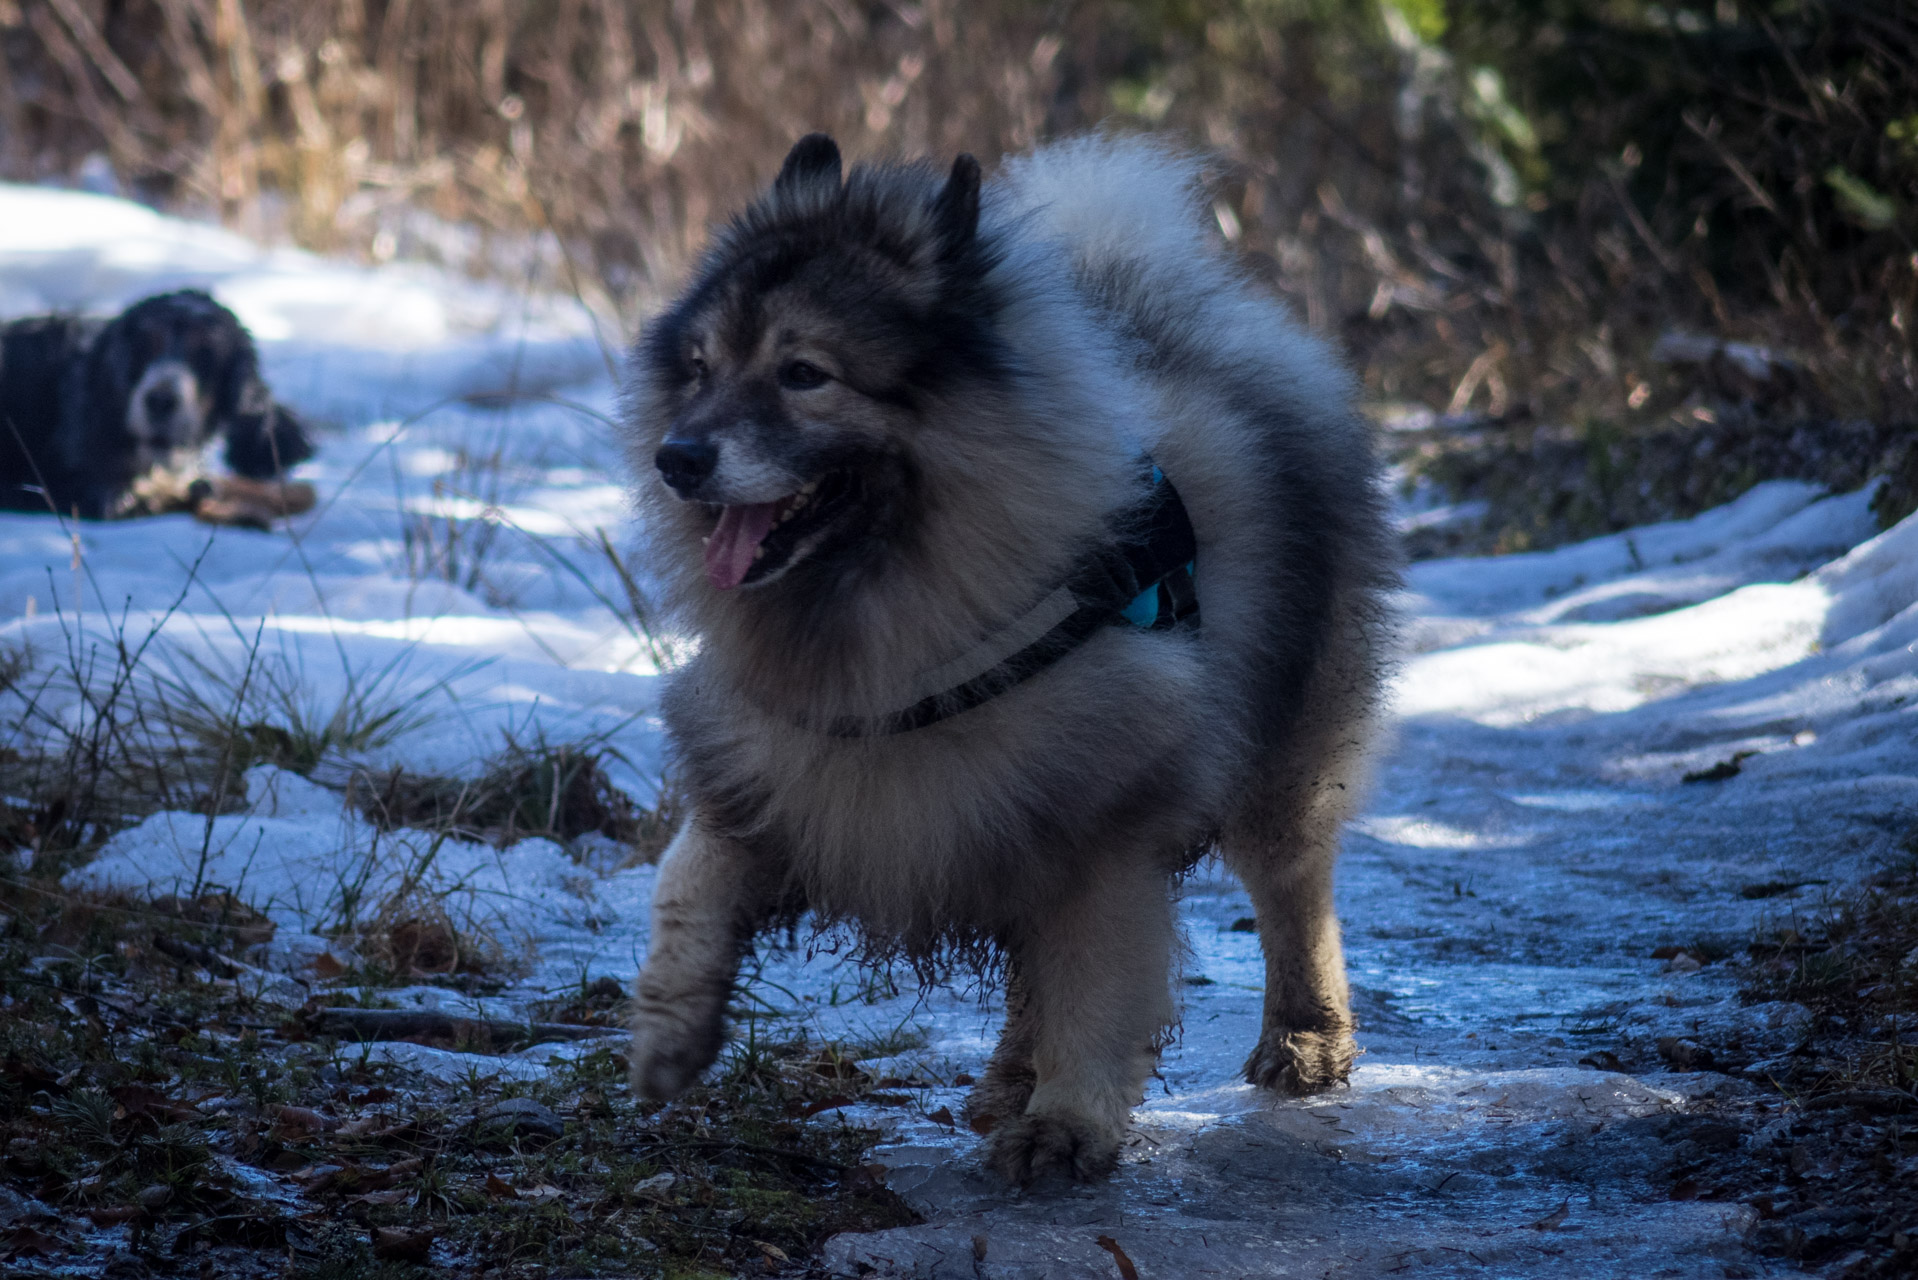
398	1024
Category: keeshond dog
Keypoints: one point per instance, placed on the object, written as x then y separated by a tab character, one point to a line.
1033	552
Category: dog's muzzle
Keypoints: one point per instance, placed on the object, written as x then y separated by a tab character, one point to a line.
165	410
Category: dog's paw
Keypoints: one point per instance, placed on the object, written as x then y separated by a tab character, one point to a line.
667	1057
996	1099
1023	1147
1301	1062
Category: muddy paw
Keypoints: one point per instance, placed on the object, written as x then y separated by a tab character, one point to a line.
666	1058
1301	1062
1026	1146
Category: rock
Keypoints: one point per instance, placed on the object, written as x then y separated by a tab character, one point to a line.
1685	1054
526	1116
657	1185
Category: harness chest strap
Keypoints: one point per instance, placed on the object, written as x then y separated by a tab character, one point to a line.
1143	578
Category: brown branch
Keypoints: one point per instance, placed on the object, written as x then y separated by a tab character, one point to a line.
1666	262
398	1024
111	69
1710	134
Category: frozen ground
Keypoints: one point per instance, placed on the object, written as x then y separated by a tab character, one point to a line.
1529	843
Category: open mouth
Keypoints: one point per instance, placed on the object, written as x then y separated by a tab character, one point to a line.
755	541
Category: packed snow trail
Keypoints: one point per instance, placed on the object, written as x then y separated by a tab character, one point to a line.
1529	841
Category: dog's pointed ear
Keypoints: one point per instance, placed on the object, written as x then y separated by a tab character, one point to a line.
813	161
955	211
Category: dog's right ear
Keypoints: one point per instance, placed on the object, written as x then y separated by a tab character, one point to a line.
956	208
813	162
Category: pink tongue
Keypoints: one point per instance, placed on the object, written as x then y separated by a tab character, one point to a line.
729	552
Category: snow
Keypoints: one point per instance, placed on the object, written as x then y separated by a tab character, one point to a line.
1528	843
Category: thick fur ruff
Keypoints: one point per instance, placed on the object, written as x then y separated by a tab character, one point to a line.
93	416
975	373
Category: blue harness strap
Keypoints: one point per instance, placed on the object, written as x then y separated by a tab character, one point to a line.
1143	577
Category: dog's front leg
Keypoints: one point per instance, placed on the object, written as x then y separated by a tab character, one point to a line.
1095	969
711	894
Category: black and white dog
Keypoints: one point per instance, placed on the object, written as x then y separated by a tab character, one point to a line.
95	416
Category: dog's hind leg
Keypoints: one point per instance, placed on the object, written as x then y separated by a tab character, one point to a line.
710	896
1096	969
1282	844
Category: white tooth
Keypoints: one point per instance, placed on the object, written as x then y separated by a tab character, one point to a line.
706	541
758	552
799	502
809	486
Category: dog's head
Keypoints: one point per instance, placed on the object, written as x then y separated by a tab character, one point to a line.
173	371
779	397
174	364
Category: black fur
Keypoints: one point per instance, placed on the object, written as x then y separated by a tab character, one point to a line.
66	383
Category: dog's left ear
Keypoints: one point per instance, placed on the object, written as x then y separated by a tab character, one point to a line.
812	163
955	211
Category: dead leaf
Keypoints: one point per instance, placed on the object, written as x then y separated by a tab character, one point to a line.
499	1188
26	1241
1126	1270
326	966
315	1178
541	1194
397	1244
1555	1219
943	1116
144	1100
303	1119
113	1215
361	1126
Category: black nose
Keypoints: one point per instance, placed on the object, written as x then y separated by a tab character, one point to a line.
161	400
685	464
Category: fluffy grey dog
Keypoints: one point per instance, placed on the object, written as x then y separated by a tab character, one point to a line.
902	428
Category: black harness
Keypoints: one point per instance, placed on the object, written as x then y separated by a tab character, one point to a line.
1142	576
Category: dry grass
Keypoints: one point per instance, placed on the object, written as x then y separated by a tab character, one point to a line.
1499	216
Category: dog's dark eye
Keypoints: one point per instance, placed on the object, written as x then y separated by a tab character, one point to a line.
697	366
801	376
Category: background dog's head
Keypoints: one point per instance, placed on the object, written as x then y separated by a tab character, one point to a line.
779	396
160	380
